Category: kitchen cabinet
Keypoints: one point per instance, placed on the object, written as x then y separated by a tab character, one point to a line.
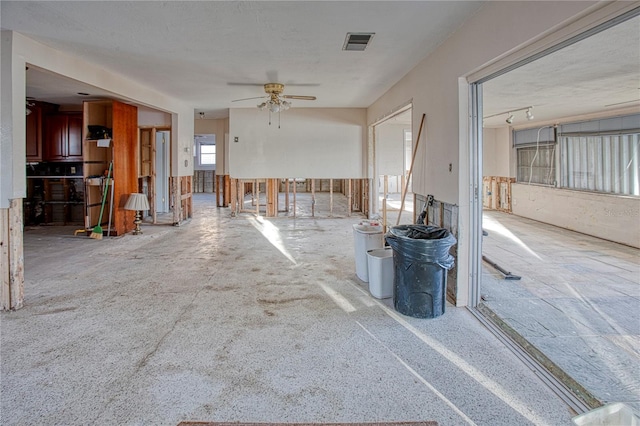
35	129
63	137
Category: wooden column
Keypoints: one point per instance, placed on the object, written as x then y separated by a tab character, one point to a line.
256	196
349	198
330	197
177	202
313	197
271	189
234	198
286	196
295	184
11	256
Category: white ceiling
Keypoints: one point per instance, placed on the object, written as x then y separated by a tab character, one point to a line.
208	53
597	74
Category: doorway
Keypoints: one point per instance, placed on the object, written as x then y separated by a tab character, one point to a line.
393	148
568	297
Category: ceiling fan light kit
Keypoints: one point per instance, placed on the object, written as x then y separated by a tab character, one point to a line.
276	102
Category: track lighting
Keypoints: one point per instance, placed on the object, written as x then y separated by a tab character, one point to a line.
202	115
529	114
509	118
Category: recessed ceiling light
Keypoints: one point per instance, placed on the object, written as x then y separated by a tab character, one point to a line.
83	94
357	41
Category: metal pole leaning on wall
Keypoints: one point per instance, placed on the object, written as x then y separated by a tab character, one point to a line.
413	161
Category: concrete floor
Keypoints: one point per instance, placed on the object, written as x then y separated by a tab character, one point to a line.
578	301
241	319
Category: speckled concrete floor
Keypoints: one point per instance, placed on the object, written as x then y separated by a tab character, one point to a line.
578	301
241	319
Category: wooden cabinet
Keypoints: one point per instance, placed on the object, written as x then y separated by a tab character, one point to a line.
63	137
122	120
35	129
34	134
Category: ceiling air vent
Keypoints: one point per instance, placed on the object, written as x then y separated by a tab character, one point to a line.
357	41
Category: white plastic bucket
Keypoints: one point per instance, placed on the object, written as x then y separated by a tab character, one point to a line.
380	266
367	237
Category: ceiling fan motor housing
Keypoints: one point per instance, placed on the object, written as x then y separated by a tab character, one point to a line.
274	88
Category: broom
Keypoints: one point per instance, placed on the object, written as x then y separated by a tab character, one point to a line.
97	230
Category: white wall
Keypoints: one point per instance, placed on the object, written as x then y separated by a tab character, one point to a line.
151	117
390	148
12	122
496	152
500	32
610	217
497	29
310	143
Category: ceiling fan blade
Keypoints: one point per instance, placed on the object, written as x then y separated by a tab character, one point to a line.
302	98
246	99
233	83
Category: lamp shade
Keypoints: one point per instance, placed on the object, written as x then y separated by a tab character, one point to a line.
137	202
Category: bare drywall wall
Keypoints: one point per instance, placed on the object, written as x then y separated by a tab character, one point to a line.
496	152
611	217
311	142
390	148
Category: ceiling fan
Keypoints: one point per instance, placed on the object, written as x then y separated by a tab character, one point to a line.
275	100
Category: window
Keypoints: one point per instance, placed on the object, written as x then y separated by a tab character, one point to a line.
207	154
602	163
537	164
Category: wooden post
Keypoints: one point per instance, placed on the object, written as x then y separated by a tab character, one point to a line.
5	280
295	184
313	197
227	191
16	253
256	195
330	197
271	190
234	199
11	256
349	198
286	195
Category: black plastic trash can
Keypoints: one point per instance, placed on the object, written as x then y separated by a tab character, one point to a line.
421	260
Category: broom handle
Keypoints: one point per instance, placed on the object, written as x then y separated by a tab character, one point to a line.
104	195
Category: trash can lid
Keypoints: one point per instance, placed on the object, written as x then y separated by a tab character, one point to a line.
368	229
380	252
